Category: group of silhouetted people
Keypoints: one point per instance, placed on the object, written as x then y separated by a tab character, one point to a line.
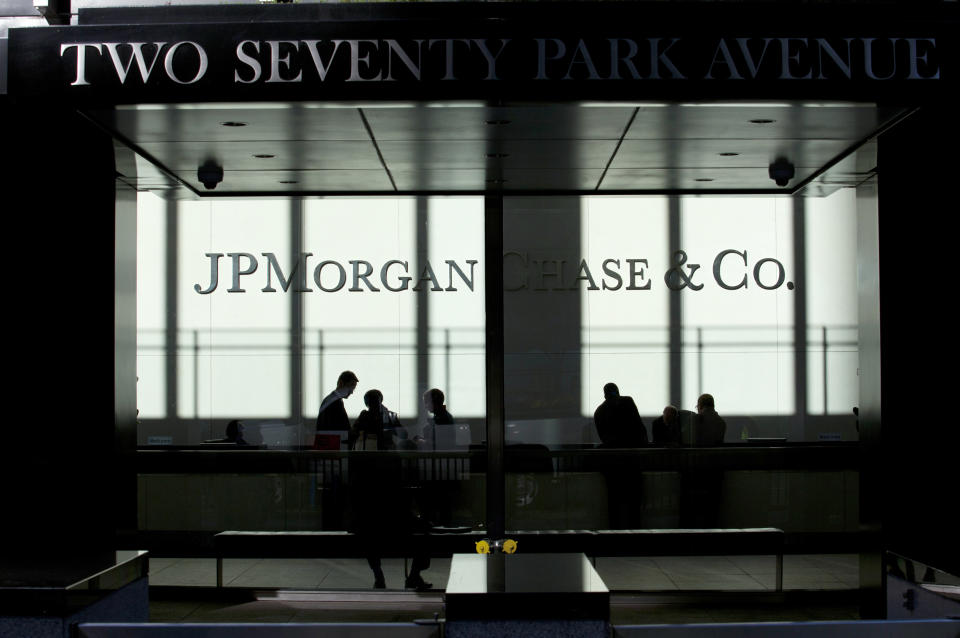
619	424
381	511
378	427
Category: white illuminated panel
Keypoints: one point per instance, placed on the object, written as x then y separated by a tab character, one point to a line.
151	306
372	333
457	319
233	351
831	254
738	344
625	333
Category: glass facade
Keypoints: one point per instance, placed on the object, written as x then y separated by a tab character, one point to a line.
670	298
246	311
250	309
268	300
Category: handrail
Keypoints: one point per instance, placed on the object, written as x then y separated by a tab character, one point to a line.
833	456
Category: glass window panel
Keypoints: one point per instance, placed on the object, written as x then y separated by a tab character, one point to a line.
151	306
233	348
625	333
458	318
832	309
370	332
738	344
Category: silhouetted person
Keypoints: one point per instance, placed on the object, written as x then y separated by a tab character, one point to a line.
666	428
382	510
433	404
377	428
235	433
618	420
332	415
702	489
619	426
709	427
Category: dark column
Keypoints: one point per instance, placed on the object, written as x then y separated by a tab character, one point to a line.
918	435
423	311
674	243
125	349
65	408
674	240
800	319
170	340
542	312
873	598
296	312
493	259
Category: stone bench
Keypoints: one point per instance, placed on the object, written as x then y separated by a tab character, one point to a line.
593	543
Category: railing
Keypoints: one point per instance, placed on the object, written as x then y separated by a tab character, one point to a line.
194	491
451	465
822	341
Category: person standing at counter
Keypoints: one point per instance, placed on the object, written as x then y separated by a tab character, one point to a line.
666	428
377	427
619	425
440	416
618	421
710	428
701	488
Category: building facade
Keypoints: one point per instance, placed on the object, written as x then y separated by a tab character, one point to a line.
514	203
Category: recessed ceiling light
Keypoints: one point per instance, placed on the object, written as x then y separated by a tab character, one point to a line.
264	155
762	120
233	124
728	154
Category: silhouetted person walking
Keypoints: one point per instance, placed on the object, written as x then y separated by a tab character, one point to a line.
382	511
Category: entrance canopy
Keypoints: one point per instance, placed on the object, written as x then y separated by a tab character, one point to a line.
311	148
